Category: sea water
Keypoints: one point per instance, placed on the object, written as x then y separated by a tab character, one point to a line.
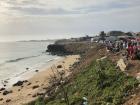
18	58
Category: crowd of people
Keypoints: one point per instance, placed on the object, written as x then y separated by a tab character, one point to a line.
129	46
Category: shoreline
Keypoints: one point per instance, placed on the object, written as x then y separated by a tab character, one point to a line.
27	74
40	79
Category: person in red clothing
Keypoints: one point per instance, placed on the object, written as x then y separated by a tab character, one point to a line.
134	51
130	50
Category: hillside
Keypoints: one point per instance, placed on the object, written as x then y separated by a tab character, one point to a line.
100	82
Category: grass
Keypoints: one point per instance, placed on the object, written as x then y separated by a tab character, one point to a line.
101	83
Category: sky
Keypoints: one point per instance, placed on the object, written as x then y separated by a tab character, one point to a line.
54	19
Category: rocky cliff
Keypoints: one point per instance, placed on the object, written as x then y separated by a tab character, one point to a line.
68	49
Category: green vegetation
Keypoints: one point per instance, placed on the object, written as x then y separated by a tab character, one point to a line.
101	83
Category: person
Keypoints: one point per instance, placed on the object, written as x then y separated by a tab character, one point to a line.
125	45
134	53
121	45
130	50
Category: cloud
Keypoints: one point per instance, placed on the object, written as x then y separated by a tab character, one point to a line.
62	7
36	19
126	19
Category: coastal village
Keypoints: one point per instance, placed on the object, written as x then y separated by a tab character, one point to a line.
95	70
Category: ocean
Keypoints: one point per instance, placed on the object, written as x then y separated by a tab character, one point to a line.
20	58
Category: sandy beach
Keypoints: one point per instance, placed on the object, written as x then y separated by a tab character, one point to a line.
19	95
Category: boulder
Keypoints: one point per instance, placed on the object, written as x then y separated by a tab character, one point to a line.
34	95
8	100
20	83
59	66
7	92
1	89
1	99
36	86
27	68
36	70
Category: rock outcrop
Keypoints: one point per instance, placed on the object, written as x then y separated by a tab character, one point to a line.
58	49
68	49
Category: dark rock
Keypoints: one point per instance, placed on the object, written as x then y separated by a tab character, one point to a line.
36	70
68	48
7	92
27	68
19	83
36	86
8	100
40	94
56	48
34	95
1	99
59	66
2	89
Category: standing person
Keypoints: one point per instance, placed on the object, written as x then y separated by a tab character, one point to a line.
117	46
130	50
134	51
124	45
121	45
